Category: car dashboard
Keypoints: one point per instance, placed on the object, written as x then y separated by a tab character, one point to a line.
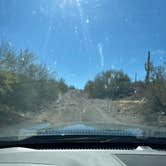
141	156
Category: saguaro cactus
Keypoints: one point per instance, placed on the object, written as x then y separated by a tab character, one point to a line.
148	68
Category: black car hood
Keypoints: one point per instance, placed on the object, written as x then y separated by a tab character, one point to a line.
92	129
33	129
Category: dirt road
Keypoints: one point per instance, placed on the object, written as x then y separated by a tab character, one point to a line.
75	106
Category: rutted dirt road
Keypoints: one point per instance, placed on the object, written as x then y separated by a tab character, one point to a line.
75	106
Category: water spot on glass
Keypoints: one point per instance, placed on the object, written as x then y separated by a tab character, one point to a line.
34	12
76	29
107	38
112	67
53	28
50	28
91	41
87	21
78	2
100	50
85	38
10	43
125	20
42	10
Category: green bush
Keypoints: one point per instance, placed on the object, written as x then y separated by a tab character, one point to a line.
110	84
156	90
25	85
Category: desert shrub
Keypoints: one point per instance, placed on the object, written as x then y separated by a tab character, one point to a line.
109	84
156	90
24	84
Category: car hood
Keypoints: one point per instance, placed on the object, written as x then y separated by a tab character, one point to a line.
33	129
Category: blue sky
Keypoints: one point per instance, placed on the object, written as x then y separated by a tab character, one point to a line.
80	38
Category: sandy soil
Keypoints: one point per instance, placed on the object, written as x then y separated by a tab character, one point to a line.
75	106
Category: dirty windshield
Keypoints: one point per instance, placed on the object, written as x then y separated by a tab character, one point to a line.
82	63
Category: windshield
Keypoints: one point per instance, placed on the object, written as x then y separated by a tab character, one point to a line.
79	62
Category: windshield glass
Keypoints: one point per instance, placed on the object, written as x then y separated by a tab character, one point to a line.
82	62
